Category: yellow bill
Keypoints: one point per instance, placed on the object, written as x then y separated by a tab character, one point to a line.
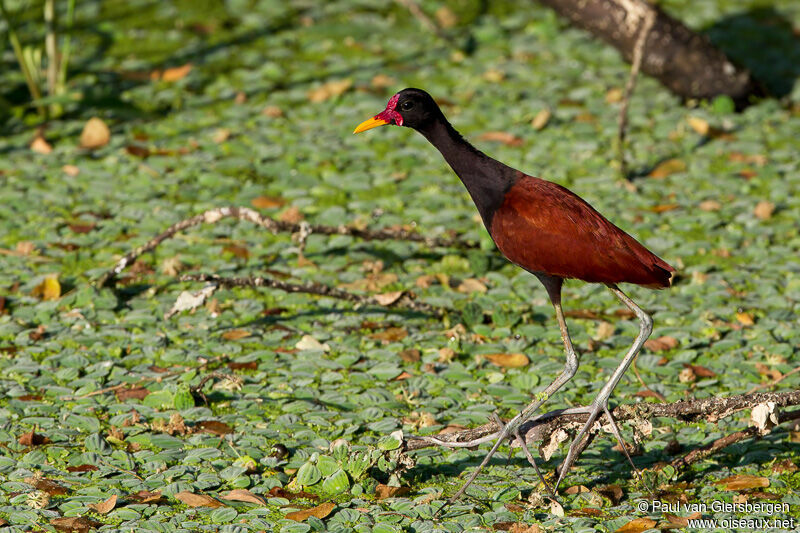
374	122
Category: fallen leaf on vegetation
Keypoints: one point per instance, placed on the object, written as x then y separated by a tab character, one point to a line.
612	492
95	134
236	334
244	495
105	506
249	365
508	360
668	167
280	492
385	491
744	318
764	210
750	159
771	373
785	466
272	111
329	90
700	371
32	438
382	81
410	355
710	205
509	139
237	251
82	468
70	170
40	146
214	427
471	285
307	342
661	344
171	74
74	524
292	215
388	298
663	208
49	289
144	496
390	335
136	393
637	525
267	202
47	485
743	482
614	95
541	119
320	511
446	17
198	500
221	135
446	355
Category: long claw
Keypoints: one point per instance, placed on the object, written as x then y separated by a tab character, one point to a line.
572	453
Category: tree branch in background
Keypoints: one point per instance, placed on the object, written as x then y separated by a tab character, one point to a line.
646	24
684	61
543	428
275	226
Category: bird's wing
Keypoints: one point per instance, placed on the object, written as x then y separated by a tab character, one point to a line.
544	227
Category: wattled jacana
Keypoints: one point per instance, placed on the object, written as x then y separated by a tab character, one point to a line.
545	229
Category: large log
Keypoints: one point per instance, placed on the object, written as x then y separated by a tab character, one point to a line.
681	59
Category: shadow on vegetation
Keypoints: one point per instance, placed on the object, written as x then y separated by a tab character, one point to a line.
765	42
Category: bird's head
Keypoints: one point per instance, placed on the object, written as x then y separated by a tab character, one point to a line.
410	107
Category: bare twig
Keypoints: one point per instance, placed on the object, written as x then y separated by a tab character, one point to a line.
646	22
275	226
772	383
540	428
403	301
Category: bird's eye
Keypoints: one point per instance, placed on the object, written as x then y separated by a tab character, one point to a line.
408	104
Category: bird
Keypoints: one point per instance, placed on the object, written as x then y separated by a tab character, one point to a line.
547	230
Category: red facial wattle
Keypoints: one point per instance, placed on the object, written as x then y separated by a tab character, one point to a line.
387	116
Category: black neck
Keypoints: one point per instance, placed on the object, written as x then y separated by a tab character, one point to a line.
486	179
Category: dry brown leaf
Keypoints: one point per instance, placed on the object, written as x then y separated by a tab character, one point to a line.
576	489
390	335
541	119
144	496
508	360
33	439
198	500
236	334
604	330
446	17
106	506
382	81
519	527
82	468
136	393
665	168
710	205
47	485
49	289
240	98
614	95
410	355
74	524
509	139
744	318
388	298
446	355
320	511
385	491
267	202
280	492
329	90
471	285
95	134
272	111
25	248
637	525
70	170
292	215
743	482
494	75
771	373
785	466
661	344
757	159
663	208
612	492
699	125
40	146
244	495
764	210
700	371
171	266
172	74
425	281
214	427
237	250
221	135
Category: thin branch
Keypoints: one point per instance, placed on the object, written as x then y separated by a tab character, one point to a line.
275	226
540	428
647	20
402	301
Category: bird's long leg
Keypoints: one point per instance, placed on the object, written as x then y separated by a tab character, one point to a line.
553	286
600	403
